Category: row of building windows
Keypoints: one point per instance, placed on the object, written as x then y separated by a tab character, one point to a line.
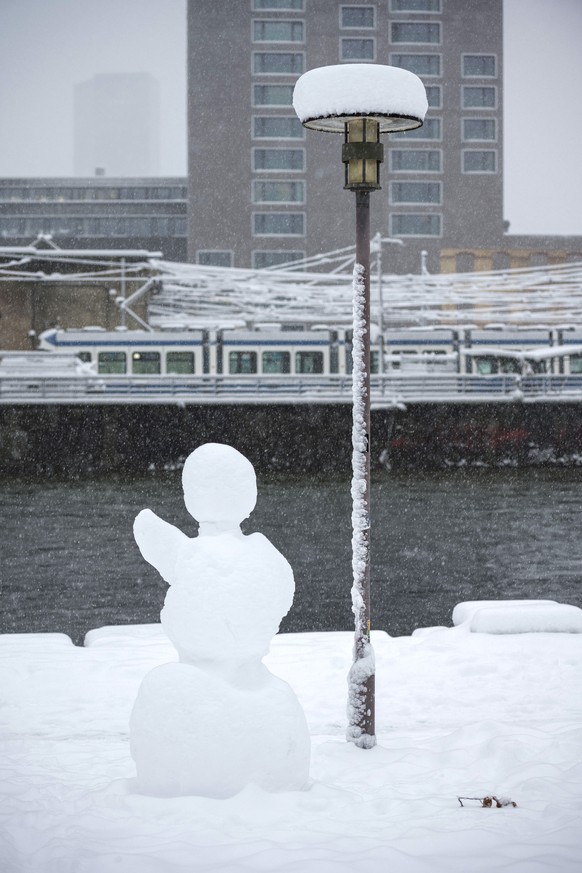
72	226
395	6
289	127
401	224
58	193
277	159
351	17
277	63
472	130
261	259
401	161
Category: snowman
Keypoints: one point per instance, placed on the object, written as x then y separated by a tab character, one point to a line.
217	719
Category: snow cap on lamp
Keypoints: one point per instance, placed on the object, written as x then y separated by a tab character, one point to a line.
326	97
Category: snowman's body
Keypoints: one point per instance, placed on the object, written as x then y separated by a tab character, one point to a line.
218	719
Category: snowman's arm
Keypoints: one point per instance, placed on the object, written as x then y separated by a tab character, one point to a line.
159	542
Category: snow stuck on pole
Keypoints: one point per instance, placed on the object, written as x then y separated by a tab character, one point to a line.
360	708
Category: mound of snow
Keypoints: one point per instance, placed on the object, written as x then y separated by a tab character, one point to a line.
518	616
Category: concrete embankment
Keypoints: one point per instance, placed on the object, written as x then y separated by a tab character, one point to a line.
80	440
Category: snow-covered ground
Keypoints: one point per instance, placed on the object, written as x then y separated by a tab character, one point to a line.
459	713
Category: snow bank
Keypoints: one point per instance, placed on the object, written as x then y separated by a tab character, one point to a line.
458	714
518	617
361	89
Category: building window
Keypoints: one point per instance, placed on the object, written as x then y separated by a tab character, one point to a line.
111	363
479	65
422	65
361	17
292	5
415	160
277	127
479	129
145	363
278	63
357	49
415	31
480	97
434	96
278	191
272	95
214	258
276	362
415	6
309	362
431	129
242	363
415	224
479	161
263	259
415	192
180	363
279	159
279	223
278	31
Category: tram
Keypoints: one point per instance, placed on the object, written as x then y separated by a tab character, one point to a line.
298	352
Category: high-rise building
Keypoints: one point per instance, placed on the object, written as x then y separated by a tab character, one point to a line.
117	125
264	190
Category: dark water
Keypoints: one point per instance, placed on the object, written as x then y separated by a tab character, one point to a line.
68	561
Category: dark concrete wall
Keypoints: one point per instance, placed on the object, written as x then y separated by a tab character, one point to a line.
80	441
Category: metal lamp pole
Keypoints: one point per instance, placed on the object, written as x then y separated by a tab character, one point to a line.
362	154
361	101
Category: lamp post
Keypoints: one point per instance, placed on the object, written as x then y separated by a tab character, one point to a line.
361	101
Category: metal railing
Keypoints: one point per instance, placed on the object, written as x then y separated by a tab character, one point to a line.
387	390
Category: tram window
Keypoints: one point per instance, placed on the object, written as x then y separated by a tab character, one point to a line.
309	362
110	363
509	365
576	363
180	363
485	366
242	362
276	362
85	357
145	363
395	364
374	362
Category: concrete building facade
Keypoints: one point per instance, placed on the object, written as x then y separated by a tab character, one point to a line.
96	213
263	190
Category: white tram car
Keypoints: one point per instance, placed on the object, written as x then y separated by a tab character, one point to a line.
272	352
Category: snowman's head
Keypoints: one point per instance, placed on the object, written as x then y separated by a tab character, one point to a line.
219	484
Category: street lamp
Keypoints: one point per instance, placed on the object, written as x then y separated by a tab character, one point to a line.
361	101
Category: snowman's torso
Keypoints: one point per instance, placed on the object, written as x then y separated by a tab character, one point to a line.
228	597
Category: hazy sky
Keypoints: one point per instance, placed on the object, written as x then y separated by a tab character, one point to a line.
47	46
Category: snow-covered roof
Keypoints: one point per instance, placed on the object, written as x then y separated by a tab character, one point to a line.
394	96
